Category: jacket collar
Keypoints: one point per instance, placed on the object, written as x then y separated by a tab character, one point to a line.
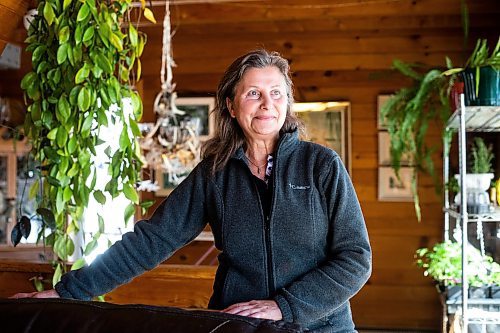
286	144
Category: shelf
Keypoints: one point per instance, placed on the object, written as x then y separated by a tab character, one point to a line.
479	311
477	119
488	217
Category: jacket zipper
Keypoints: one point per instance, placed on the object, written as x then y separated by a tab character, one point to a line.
267	235
270	273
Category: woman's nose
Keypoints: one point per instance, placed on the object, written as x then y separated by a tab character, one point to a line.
266	101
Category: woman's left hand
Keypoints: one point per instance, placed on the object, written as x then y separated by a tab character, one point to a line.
257	309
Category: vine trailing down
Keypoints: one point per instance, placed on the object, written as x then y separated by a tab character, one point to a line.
85	60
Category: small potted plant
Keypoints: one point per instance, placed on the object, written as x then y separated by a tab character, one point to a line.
443	263
481	75
478	181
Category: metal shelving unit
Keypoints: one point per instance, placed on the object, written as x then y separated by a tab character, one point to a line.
469	119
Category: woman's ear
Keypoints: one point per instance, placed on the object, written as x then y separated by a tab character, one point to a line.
229	105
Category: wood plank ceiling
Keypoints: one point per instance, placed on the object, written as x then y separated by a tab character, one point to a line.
325	41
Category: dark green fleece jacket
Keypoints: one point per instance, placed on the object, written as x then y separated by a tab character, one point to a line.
311	255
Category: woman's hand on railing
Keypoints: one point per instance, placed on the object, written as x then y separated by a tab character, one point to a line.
38	294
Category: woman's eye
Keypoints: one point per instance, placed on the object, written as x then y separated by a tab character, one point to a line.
253	94
276	94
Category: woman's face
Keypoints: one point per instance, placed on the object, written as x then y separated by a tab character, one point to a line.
260	103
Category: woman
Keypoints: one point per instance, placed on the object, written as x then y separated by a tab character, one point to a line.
284	213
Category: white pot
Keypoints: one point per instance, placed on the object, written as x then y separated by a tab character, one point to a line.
477	182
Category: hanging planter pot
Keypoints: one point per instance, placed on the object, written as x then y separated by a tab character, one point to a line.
482	90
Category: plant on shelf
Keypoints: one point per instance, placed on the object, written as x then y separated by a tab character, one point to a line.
408	115
443	263
478	181
85	57
482	157
481	63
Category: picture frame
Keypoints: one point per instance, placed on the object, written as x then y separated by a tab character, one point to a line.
384	151
199	107
166	185
381	100
329	124
390	188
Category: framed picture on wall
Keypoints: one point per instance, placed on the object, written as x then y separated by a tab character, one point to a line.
168	182
198	109
328	123
381	100
390	188
384	150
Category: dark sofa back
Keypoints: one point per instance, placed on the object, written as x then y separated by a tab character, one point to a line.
59	315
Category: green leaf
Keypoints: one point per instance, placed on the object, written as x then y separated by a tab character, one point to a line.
124	139
38	284
67	194
148	14
87	124
74	170
90	247
101	223
135	128
132	33
59	201
82	74
38	53
89	34
130	193
62	137
62	53
99	197
70	246
34	189
57	275
136	105
48	13
129	212
52	134
28	80
83	13
78	34
63	110
48	217
84	99
116	42
79	263
66	4
104	63
73	95
63	35
72	146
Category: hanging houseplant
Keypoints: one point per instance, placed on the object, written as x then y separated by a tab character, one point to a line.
408	114
85	60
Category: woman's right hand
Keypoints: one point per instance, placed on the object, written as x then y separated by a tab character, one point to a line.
38	294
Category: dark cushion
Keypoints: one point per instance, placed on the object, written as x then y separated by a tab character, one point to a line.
61	315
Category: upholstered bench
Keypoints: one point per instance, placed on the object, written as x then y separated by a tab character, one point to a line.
60	315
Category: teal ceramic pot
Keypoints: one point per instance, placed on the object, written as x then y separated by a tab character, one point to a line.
489	87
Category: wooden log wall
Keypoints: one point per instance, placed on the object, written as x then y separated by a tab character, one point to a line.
11	13
339	51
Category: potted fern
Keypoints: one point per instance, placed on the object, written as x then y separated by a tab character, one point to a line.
85	58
